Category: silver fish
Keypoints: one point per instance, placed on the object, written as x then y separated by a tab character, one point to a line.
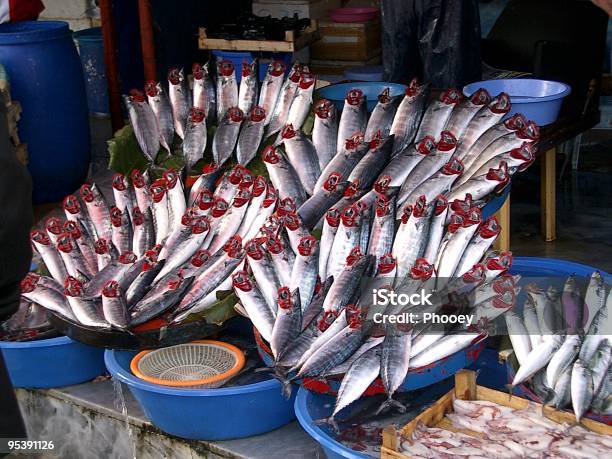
411	236
459	234
478	245
537	359
254	303
142	283
141	183
204	91
178	236
114	306
176	197
408	115
305	270
348	237
226	135
330	227
283	176
72	257
249	86
231	221
285	99
263	271
530	318
84	242
159	300
465	110
495	180
300	106
404	161
354	117
518	158
518	336
562	359
123	194
75	212
366	171
265	211
381	118
581	389
194	143
180	99
122	230
33	289
383	228
250	135
347	282
345	160
259	191
282	257
302	156
271	88
594	298
87	311
444	347
160	104
159	196
439	183
227	88
437	113
144	123
106	253
288	323
315	207
205	182
97	208
436	229
394	363
573	307
325	131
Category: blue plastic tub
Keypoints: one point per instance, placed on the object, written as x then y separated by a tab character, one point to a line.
538	100
54	362
264	59
337	92
495	204
206	414
47	79
91	52
373	73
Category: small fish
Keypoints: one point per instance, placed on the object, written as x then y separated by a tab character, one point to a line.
180	99
144	123
354	117
346	284
394	363
141	183
205	182
562	359
122	230
288	323
253	302
518	336
465	110
282	175
85	245
195	139
285	99
74	211
331	223
97	208
158	301
159	196
33	288
345	160
87	311
122	193
325	131
315	207
537	359
404	161
227	88
300	106
282	257
160	104
382	116
251	135
408	115
249	86
204	91
438	113
303	157
271	88
226	135
581	389
305	270
479	244
114	306
72	257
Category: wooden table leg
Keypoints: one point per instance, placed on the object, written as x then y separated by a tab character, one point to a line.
502	243
548	206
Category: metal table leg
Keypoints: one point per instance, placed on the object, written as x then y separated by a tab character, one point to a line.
548	209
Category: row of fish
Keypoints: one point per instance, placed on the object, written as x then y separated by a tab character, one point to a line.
500	432
571	364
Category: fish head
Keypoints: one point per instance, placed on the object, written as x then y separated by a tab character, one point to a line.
73	287
71	204
28	283
246	69
489	228
461	206
54	226
504	300
332	217
286	206
326	320
277	68
501	104
274	245
332	181
172	177
196	115
235	115
233	247
352	189
530	132
271	196
151	88
420	207
356	320
524	153
454	166
71	227
116	216
354	141
243	196
480	97
272	226
324	108
386	264
350	216
87	193
456	222
137	96
175	76
441	204
197	71
158	189
516	122
307	245
205	200
472	217
101	246
426	145
64	243
381	185
447	141
271	155
285	300
422	269
385	96
307	80
235	175
186	219
200	257
295	73
288	132
376	140
502	263
254	248
111	289
451	96
242	281
354	256
119	182
362	206
127	258
504	283
413	87
499	175
210	168
382	205
406	213
475	275
138	179
292	221
200	225
355	97
259	186
258	113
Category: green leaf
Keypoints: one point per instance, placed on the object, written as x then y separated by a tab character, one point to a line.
218	312
124	151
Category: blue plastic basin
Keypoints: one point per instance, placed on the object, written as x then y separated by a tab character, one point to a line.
337	92
54	362
206	414
538	100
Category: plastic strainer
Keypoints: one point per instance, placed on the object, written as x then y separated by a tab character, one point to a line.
204	364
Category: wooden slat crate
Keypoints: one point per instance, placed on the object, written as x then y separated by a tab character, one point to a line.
353	41
290	44
466	389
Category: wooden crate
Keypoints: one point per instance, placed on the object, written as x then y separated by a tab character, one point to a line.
466	389
290	44
338	67
355	41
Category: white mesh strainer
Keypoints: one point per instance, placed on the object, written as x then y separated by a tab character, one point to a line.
200	364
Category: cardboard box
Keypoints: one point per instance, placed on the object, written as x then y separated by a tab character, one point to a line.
354	41
314	9
336	67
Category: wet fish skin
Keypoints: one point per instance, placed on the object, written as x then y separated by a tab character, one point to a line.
288	323
345	160
325	131
537	359
518	336
447	345
87	311
227	88
581	389
368	169
381	118
315	207
303	157
206	181
404	161
114	306
465	110
251	135
152	306
354	117
249	87
74	211
160	104
231	221
144	232
141	184
253	301
478	245
347	237
144	123
283	176
572	303
594	298
194	143
38	291
347	282
226	135
438	112
204	91
408	115
305	270
271	88
436	229
301	103
84	244
141	284
440	183
285	99
97	208
73	259
494	181
411	237
180	99
328	233
394	363
562	359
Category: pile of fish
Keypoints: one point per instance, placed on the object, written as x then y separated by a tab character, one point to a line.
499	431
563	346
29	322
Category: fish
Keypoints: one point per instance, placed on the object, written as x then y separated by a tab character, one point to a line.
79	235
367	170
573	307
537	359
54	227
436	228
445	346
114	306
544	309
562	359
180	99
285	99
404	161
124	199
594	336
97	208
381	118
205	182
160	104
226	135
530	318
408	115
594	298
331	222
411	236
438	113
439	183
282	175
345	160
87	311
250	135
227	88
204	91
249	87
581	388
74	212
347	237
73	259
159	196
194	143
325	131
354	117
122	229
465	110
265	211
288	323
270	89
383	227
303	157
562	390
159	300
144	123
141	184
176	198
305	270
254	303
394	363
314	208
263	270
142	283
479	244
494	181
231	221
106	253
38	291
114	270
294	228
301	103
346	284
518	336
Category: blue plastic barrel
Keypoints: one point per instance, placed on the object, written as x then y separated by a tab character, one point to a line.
46	78
91	51
371	73
236	58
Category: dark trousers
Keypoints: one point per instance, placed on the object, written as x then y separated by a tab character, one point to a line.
11	424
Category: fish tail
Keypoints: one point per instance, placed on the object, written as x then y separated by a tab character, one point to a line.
510	388
330	421
287	389
391	403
